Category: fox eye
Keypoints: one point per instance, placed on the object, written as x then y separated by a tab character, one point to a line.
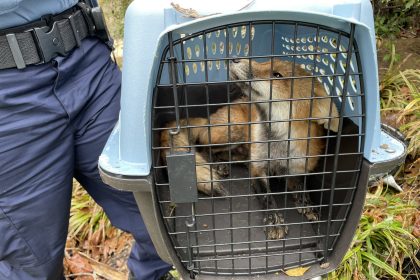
277	75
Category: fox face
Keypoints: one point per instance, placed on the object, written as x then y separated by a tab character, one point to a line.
282	74
286	84
260	87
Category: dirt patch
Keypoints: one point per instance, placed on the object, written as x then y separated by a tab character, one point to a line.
408	49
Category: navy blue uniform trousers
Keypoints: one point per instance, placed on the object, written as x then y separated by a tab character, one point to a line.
54	121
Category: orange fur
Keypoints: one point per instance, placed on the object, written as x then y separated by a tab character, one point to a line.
240	131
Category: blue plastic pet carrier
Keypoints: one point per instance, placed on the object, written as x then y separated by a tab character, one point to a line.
248	132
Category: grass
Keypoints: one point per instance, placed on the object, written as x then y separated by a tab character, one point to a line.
87	219
400	98
383	246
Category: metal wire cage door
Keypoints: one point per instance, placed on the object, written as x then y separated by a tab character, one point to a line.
257	137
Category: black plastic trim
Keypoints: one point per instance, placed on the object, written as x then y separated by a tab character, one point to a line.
126	183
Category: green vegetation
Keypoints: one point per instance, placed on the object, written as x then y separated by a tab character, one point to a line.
392	16
114	13
400	98
87	219
384	246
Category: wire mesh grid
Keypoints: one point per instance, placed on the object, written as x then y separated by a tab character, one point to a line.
273	114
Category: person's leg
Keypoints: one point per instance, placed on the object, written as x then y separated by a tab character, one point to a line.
93	126
36	170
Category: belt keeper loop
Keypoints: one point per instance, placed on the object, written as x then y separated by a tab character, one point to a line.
86	13
16	52
76	31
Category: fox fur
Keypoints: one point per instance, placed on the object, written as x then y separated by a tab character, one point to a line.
286	101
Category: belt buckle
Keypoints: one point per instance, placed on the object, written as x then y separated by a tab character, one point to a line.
49	41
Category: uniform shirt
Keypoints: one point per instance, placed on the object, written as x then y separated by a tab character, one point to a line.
18	12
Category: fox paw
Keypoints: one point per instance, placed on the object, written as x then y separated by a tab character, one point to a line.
219	190
274	231
310	214
304	202
216	190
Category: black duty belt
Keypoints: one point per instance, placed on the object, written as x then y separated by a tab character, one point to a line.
57	35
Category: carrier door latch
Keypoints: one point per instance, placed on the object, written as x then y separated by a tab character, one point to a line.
182	177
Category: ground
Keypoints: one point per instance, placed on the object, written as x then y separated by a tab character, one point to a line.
407	48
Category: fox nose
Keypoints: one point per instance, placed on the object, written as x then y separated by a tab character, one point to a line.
236	60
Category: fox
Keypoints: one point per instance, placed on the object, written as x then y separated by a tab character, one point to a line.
273	100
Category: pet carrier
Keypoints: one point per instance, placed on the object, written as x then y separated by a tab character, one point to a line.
248	132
